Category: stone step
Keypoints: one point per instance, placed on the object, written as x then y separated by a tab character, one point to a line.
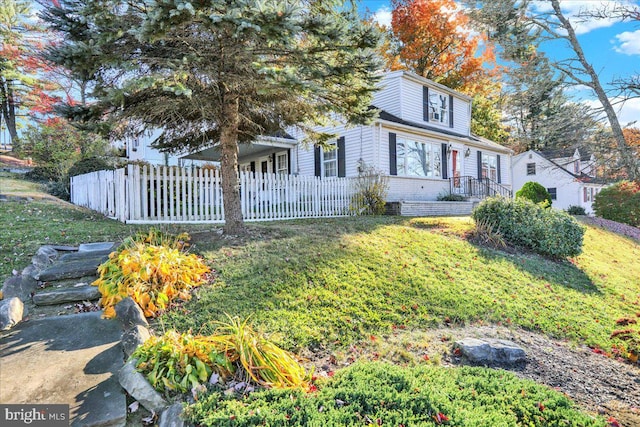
71	269
64	295
82	256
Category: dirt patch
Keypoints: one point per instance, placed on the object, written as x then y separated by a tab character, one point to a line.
12	161
596	383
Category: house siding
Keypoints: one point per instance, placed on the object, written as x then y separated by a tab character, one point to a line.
388	97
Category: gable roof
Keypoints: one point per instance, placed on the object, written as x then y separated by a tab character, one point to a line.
425	82
388	117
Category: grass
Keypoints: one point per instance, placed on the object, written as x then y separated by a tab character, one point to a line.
333	283
12	186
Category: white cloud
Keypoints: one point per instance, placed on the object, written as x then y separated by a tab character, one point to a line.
383	16
629	43
628	112
573	8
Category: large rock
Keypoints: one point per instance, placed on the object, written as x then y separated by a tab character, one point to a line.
97	247
491	351
48	251
11	311
102	256
20	286
130	313
59	296
139	388
172	417
70	270
41	261
133	338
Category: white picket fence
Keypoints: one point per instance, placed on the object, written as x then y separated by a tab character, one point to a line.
160	194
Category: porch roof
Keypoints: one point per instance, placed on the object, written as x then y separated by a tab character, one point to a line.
263	145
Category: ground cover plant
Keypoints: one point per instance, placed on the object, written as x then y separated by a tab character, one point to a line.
383	394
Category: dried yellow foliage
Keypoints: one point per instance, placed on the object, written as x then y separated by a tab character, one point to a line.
150	273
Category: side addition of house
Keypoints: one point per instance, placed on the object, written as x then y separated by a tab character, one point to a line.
421	139
568	176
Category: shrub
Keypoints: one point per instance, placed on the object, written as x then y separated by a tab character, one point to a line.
44	174
90	164
383	394
521	222
534	192
619	202
59	189
576	210
180	362
371	192
153	269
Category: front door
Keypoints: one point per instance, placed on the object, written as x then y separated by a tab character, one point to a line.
455	170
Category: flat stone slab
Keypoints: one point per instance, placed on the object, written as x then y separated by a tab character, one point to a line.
70	360
491	351
70	270
74	294
96	246
81	256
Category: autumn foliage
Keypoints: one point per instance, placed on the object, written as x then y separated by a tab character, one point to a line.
153	269
433	38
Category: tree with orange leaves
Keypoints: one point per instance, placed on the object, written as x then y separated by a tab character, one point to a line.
433	38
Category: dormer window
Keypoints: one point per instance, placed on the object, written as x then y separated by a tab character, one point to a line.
438	107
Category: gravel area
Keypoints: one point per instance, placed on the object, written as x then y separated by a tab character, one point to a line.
616	227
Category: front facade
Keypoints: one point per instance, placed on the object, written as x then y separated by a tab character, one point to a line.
421	140
569	178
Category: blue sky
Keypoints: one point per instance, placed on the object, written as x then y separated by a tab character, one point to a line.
612	47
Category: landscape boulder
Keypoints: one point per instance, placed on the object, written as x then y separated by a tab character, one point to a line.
139	388
130	313
134	337
11	312
491	351
172	417
20	286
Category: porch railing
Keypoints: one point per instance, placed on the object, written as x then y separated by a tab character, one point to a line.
469	186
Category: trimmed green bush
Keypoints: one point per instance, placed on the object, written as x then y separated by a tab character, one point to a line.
383	394
545	231
534	192
619	202
576	210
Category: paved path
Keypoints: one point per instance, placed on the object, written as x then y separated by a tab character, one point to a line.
70	359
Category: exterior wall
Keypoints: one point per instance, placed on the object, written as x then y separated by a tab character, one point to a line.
568	189
389	95
415	189
470	165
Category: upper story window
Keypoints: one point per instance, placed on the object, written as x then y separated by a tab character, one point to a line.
415	158
531	168
490	166
330	162
438	107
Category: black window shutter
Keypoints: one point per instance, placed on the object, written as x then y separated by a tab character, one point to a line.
445	166
289	161
252	166
316	155
393	165
450	111
342	167
479	165
425	103
498	171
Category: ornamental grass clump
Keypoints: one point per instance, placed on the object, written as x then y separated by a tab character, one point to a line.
153	269
182	362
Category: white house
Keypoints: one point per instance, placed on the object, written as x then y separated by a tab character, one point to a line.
421	140
568	176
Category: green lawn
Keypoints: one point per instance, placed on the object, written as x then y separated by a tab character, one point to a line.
331	283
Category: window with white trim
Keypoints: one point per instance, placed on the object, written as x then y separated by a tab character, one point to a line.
438	107
282	164
414	158
490	166
330	162
531	168
553	192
